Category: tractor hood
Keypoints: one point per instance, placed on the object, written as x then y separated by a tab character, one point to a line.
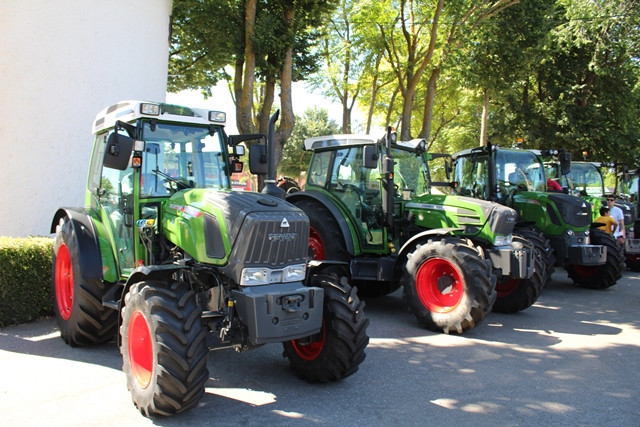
236	229
479	218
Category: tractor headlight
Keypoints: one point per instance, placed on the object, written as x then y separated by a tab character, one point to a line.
294	273
503	240
264	276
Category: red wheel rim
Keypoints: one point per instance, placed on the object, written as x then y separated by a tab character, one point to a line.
586	271
439	285
316	245
309	351
64	282
140	349
507	287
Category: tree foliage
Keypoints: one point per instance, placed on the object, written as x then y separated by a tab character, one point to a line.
314	122
556	73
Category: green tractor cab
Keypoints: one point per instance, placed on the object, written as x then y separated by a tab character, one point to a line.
166	259
369	207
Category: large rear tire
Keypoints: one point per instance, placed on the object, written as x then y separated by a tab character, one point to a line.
600	276
327	243
338	350
518	294
448	286
80	315
164	349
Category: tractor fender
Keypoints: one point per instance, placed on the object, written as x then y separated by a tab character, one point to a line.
88	246
411	243
150	272
335	212
145	272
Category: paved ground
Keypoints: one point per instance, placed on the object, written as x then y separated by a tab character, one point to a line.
571	359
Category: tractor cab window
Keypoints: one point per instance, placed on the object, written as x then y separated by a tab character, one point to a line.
178	157
116	201
519	170
409	174
584	180
471	177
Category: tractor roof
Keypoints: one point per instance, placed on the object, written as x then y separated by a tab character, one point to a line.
129	111
343	140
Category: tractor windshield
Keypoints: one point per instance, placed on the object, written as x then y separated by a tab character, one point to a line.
410	171
584	180
179	156
519	169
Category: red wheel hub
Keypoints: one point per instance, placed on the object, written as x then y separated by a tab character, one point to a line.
586	271
310	350
316	245
64	282
140	349
507	287
439	285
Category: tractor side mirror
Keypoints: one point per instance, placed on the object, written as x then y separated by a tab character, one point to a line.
118	151
447	170
370	157
258	159
565	162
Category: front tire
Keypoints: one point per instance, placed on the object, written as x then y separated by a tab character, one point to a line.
338	350
542	246
164	349
80	315
448	286
600	276
518	294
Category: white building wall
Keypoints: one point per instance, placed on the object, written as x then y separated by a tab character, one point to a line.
61	62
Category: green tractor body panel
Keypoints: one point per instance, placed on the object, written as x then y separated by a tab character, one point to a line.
488	222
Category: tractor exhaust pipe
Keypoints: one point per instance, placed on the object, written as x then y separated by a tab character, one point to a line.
270	186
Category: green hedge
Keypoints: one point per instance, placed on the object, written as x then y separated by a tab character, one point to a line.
25	279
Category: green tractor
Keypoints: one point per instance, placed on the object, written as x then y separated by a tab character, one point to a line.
369	207
168	261
585	180
516	178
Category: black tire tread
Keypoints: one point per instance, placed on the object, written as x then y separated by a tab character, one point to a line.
179	336
346	333
90	322
479	285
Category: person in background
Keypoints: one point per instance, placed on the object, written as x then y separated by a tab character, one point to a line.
553	185
617	214
610	224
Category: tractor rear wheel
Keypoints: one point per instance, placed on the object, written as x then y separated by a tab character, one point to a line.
633	261
448	286
600	276
338	349
80	315
327	243
163	348
517	294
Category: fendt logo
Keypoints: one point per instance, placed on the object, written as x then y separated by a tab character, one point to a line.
284	223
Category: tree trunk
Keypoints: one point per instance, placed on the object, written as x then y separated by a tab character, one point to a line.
244	108
267	103
287	118
428	104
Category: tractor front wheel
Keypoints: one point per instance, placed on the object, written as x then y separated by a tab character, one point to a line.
80	315
600	276
338	349
163	348
448	286
517	294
